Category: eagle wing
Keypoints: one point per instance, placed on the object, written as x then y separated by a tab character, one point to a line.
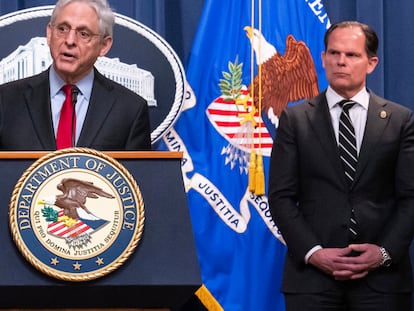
287	77
79	190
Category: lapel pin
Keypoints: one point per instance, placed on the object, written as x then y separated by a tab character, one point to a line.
383	114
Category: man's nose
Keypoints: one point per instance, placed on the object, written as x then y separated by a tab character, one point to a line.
71	36
341	59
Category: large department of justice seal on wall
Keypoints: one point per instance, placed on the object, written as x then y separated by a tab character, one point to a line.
76	214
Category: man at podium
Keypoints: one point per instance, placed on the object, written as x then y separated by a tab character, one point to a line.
71	103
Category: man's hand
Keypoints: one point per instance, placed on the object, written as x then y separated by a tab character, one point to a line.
349	263
330	260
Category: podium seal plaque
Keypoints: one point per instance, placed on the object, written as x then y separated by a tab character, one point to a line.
76	214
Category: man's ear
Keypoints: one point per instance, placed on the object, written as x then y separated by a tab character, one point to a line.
372	63
48	33
106	45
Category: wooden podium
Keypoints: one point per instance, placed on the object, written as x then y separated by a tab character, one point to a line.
163	272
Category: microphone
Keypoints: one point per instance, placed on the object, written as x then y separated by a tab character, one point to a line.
75	91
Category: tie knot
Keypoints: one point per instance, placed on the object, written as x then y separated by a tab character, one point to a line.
346	104
67	89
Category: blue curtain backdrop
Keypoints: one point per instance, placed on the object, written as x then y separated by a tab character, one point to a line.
177	20
393	22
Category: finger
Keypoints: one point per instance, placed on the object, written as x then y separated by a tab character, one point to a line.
349	275
349	261
344	251
355	268
359	275
358	247
343	273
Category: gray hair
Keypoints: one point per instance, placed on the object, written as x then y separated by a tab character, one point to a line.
103	10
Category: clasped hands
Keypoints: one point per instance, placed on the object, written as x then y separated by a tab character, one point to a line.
348	263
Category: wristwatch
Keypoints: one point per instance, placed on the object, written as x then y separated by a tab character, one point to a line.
386	258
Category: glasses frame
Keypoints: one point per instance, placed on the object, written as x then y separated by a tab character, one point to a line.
63	30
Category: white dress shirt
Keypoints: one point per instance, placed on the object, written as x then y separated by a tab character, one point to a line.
358	113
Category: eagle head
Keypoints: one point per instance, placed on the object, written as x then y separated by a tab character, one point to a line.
262	48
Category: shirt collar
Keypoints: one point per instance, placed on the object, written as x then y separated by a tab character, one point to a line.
84	85
362	98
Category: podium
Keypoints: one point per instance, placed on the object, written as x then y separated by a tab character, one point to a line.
163	271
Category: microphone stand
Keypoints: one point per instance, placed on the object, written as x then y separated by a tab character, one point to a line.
75	92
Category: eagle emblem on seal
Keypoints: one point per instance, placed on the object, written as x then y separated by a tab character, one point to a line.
73	219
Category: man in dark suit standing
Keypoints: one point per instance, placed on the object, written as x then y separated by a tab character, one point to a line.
107	115
347	219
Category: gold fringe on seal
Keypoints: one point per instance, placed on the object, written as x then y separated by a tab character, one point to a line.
208	299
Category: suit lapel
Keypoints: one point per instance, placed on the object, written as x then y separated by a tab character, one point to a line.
36	95
377	120
320	121
100	105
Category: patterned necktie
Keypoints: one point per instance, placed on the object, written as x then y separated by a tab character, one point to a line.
348	153
347	142
67	120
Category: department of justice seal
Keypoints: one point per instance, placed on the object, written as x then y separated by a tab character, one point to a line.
76	214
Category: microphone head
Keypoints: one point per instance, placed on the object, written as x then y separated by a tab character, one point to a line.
75	91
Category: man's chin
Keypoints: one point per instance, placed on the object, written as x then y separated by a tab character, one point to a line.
68	76
344	89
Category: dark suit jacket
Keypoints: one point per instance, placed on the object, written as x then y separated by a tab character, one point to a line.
311	202
117	118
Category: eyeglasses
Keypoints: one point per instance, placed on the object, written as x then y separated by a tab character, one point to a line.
84	35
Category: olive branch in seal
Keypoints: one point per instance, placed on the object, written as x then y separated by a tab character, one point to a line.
50	214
